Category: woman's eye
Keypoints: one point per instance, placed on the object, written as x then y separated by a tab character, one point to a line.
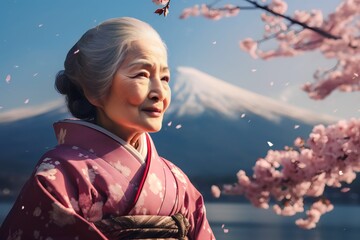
141	74
165	78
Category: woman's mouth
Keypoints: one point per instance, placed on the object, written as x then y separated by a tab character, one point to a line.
153	111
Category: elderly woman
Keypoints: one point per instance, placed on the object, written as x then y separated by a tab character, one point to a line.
104	179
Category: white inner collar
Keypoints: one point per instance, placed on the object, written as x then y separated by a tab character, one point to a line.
140	153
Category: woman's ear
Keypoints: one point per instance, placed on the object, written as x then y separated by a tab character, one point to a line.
94	101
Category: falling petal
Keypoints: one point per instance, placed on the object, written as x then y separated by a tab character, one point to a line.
77	51
341	173
215	190
26	101
226	230
40	25
243	115
22	207
355	75
344	190
57	35
35	74
169	123
222	226
16	66
178	126
253	70
8	78
214	42
296	126
270	144
271	83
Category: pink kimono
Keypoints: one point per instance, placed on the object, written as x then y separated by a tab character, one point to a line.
92	175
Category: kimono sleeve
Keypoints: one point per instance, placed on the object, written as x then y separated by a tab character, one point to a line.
194	203
192	206
38	214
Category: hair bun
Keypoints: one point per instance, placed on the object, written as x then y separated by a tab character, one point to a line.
63	83
76	101
82	108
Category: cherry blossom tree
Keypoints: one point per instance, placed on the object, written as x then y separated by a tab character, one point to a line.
330	157
336	36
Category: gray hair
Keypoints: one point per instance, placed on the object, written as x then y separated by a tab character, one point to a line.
92	62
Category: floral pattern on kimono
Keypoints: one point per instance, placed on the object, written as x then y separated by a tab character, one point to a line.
91	175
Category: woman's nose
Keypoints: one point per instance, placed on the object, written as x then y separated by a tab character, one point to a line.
157	90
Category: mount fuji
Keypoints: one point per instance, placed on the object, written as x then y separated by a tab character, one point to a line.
225	128
195	93
211	130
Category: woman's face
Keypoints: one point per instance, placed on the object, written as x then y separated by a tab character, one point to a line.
140	92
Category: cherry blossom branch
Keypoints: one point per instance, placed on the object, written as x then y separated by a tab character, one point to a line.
275	35
294	21
344	22
330	158
313	36
164	10
211	6
319	74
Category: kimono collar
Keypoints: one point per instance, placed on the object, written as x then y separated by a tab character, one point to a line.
94	138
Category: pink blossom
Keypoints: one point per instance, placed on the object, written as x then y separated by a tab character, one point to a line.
278	6
204	10
160	2
313	215
215	190
231	10
301	16
213	14
299	142
8	78
190	12
249	45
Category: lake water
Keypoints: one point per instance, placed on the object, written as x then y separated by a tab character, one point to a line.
245	222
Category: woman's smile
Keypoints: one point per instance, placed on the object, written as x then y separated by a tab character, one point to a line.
153	111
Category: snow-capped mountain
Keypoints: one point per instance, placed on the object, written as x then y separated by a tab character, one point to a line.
195	92
19	114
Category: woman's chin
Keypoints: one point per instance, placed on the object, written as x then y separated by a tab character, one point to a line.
154	127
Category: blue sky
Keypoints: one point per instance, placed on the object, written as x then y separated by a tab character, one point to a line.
36	35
